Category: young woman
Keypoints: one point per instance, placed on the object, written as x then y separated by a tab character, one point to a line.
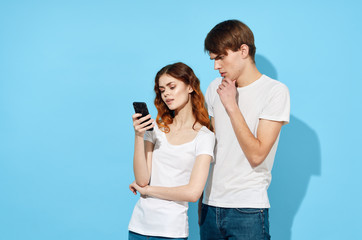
171	163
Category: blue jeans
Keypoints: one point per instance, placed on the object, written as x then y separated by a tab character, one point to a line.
136	236
234	223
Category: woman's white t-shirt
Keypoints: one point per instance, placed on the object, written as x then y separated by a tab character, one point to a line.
171	167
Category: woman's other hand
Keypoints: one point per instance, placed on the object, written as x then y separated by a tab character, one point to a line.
134	187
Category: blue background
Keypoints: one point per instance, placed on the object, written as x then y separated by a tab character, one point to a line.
70	70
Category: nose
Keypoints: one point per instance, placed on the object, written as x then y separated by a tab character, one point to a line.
165	92
216	65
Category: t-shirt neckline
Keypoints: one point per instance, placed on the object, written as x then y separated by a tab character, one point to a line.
257	81
180	145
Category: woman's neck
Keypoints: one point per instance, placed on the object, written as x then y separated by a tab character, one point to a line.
184	117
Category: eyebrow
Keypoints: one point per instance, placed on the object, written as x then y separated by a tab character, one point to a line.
166	85
216	57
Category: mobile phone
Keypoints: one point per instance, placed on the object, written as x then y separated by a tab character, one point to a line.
141	107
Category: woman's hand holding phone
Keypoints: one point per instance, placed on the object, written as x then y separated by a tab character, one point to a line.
141	120
142	124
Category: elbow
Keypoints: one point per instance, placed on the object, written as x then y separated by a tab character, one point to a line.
256	160
194	196
143	179
142	182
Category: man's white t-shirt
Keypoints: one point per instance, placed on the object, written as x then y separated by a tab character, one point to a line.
232	182
171	167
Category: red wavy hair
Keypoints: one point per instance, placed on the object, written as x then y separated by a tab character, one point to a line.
185	74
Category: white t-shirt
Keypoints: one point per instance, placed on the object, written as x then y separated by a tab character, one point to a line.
171	167
232	182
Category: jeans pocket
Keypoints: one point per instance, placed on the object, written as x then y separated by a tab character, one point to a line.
260	219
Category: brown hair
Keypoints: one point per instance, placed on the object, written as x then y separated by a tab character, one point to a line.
185	74
230	34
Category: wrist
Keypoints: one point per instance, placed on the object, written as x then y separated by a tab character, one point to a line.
139	136
147	190
232	107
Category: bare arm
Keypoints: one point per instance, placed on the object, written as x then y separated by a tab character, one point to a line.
143	150
256	149
190	192
212	123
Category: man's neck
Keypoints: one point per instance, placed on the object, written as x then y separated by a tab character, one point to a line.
249	75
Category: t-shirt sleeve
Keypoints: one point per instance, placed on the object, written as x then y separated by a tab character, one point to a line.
150	136
209	98
277	107
205	144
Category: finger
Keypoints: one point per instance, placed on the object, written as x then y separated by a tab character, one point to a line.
136	188
136	116
151	126
226	81
137	121
145	124
223	83
145	118
132	189
139	124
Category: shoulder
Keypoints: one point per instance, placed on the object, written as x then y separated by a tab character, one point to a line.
215	83
211	92
271	87
274	84
277	100
205	132
205	139
202	129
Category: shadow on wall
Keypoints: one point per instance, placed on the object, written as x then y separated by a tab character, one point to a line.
298	158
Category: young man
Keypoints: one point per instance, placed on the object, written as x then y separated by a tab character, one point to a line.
247	111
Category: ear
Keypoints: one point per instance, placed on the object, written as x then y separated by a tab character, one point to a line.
190	89
244	50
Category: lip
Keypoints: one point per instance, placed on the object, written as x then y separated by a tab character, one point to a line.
168	101
222	74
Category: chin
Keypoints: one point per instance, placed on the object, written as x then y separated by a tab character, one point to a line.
170	107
